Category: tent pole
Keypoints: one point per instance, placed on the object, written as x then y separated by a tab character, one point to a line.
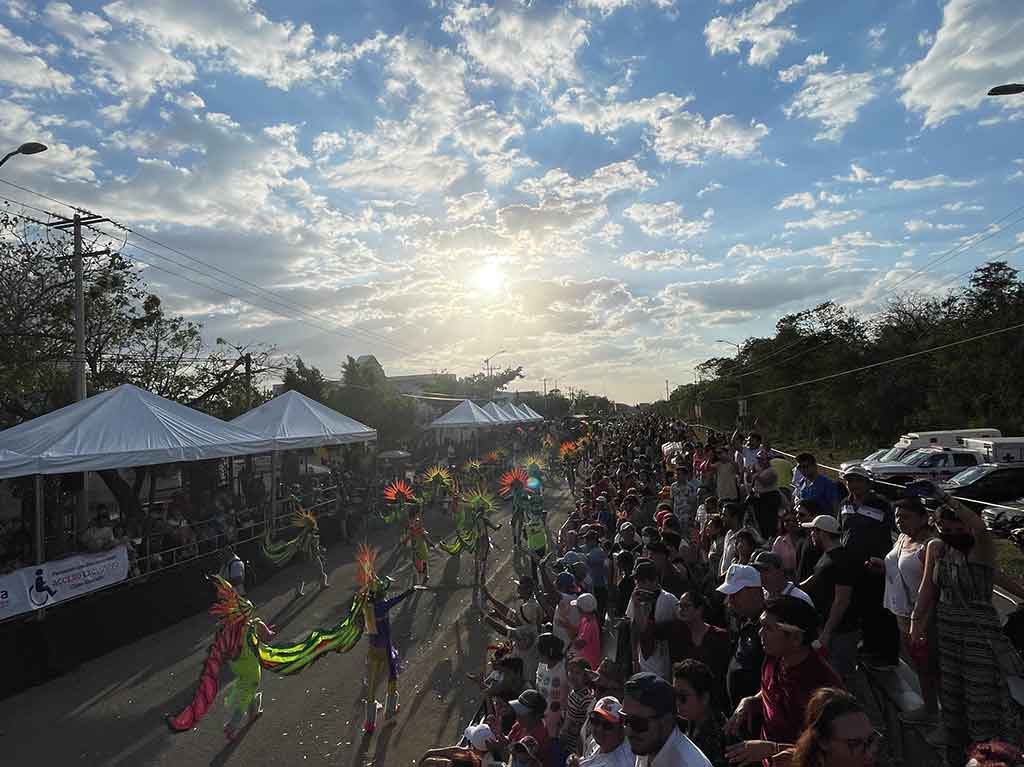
273	490
40	520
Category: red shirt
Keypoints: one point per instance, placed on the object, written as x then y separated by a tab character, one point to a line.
538	733
589	631
786	691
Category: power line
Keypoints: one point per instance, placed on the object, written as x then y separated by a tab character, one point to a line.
873	364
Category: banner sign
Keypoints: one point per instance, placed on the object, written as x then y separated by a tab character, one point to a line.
49	584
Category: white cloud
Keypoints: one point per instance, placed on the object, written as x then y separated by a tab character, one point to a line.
607	7
665	219
825	219
602	183
688	139
915	225
939	181
61	160
468	206
714	186
833	99
753	28
875	35
661	260
925	38
804	200
859	175
577	106
962	207
797	71
526	46
190	100
24	67
977	46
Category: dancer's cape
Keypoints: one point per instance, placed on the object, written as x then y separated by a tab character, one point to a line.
341	637
280	553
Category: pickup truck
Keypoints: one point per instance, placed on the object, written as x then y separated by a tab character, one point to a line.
935	464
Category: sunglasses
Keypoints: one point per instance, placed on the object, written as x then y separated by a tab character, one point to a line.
637	723
859	746
599	722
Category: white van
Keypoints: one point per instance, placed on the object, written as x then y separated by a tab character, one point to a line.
998	449
915	440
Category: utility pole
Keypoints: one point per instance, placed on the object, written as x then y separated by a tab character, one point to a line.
544	382
75	224
248	381
667	395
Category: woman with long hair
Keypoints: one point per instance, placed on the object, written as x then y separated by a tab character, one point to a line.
837	733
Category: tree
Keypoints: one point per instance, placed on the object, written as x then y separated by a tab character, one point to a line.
305	380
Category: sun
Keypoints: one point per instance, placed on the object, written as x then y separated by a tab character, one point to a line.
488	279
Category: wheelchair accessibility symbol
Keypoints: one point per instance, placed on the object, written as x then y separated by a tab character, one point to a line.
41	592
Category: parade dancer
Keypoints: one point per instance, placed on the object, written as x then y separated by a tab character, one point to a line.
513	485
381	653
418	540
239	638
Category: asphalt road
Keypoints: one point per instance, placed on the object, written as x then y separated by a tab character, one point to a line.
110	711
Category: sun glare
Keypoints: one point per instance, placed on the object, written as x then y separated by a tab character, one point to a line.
487	279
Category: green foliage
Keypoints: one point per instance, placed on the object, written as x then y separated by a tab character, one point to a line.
974	384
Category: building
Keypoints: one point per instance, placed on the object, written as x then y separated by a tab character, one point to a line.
421	383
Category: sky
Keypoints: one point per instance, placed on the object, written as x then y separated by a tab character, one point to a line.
604	190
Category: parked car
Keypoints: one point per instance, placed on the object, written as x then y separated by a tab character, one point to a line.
935	464
988	483
860	462
1003	521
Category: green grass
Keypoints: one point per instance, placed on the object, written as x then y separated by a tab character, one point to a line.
1010	559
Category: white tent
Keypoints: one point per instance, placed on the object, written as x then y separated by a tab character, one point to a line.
497	413
511	414
524	417
293	420
123	427
14	464
531	412
465	415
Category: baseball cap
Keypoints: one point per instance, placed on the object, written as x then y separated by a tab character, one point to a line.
740	577
527	745
625	526
794	614
645	569
856	471
586	603
529	701
609	708
566	583
825	522
478	735
653	691
767	559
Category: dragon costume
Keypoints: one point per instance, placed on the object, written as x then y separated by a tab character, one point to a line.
240	636
307	542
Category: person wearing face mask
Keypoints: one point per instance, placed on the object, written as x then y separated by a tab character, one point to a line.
982	675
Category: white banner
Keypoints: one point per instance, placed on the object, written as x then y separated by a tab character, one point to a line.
48	584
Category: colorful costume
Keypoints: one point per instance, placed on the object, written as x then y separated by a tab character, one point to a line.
437	481
397	494
513	485
418	540
307	541
239	638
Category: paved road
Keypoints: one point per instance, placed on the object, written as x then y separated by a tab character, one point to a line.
110	711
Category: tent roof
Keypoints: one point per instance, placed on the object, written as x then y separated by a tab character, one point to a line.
293	420
511	413
123	427
531	412
464	415
496	413
520	411
14	464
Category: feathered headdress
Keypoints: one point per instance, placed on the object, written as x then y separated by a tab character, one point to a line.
568	450
479	500
366	561
491	457
303	519
437	477
399	492
473	466
535	464
512	482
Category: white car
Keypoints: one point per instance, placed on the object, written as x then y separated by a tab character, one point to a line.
1000	520
935	464
870	457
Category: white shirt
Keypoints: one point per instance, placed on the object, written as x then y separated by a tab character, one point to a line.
621	757
664	608
678	751
728	552
792	590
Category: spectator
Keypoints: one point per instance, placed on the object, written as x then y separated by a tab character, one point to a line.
527	613
648	712
689	636
597	567
577	705
732	523
552	683
726	476
626	540
994	753
684	496
744	596
807	553
99	535
837	733
607	680
624	563
766	503
903	567
528	752
529	709
607	745
792	672
671	580
649	606
233	569
867	525
774	580
816	486
566	617
588	638
787	545
744	546
831	589
978	664
700	719
706	510
480	752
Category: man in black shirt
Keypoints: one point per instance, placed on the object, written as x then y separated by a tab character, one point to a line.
745	598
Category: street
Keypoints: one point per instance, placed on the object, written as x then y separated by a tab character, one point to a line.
111	710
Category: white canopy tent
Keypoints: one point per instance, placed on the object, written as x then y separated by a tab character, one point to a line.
497	414
524	417
531	412
121	428
465	415
293	420
510	413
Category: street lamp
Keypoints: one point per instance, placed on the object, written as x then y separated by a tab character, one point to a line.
30	147
1010	89
724	341
487	362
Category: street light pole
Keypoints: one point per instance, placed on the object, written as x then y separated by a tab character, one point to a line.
1010	89
29	147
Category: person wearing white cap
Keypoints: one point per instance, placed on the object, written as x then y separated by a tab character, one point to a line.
481	748
744	596
831	589
606	745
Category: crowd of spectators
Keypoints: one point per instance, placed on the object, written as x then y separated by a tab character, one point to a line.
709	602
